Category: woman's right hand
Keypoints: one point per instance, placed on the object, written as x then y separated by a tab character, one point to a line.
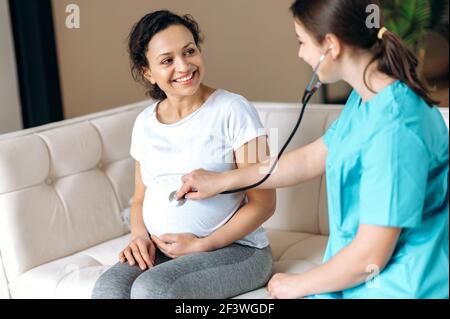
201	184
141	250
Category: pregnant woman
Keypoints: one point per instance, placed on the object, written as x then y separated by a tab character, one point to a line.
210	249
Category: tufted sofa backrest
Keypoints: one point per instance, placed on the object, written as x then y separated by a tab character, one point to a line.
304	207
63	186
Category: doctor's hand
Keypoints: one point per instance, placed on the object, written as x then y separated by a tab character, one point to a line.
140	250
177	245
201	184
285	286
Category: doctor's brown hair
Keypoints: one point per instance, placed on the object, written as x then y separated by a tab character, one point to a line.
347	20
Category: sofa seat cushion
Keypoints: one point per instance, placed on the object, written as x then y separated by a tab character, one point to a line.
294	253
69	277
74	276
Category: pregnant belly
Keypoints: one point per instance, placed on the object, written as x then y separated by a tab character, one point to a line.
197	217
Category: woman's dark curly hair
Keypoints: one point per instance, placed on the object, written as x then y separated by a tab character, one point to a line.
140	36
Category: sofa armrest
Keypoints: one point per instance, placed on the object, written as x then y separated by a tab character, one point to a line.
4	290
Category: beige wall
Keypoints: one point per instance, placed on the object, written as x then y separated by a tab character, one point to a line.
10	113
250	48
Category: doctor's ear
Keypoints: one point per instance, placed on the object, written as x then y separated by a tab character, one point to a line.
334	45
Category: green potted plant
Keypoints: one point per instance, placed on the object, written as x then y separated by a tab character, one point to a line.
413	20
423	25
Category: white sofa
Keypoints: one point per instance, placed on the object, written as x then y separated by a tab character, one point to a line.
63	187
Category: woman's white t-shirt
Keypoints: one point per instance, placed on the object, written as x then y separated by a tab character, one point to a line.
206	138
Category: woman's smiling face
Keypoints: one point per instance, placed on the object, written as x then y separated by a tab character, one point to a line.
176	63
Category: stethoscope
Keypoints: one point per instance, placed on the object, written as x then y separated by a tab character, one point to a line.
310	90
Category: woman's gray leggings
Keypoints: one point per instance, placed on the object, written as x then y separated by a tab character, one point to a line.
218	274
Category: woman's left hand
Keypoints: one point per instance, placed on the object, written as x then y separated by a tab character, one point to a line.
177	245
284	286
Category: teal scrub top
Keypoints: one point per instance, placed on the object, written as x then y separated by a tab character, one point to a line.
387	165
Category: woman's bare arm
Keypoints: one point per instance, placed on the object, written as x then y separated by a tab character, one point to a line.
136	220
259	208
141	249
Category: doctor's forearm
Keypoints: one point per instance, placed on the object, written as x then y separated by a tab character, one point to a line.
343	271
293	168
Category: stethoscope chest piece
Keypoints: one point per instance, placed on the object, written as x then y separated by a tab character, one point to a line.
174	202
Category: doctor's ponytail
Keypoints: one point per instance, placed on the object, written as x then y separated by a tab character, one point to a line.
398	61
347	20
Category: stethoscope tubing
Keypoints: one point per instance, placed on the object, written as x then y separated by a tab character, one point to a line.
306	98
310	90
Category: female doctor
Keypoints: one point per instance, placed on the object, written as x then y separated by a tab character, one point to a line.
385	160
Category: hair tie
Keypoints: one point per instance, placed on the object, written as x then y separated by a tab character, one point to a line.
381	32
